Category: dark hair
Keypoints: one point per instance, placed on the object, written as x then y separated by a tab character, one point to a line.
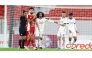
63	12
70	14
24	11
31	8
39	13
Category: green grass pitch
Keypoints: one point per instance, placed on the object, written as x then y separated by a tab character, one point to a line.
44	49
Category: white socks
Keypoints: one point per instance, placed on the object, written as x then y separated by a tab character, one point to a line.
36	42
58	44
63	44
40	43
70	44
73	42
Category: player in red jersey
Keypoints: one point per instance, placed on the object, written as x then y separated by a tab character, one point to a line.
31	21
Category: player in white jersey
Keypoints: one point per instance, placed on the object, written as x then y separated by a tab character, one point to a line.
72	29
41	21
62	32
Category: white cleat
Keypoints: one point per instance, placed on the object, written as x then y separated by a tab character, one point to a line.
26	48
58	48
72	48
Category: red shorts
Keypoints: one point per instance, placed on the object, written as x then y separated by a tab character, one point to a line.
31	32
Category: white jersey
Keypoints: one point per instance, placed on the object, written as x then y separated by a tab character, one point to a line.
63	21
41	23
71	24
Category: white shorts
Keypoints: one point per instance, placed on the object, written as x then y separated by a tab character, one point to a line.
61	33
40	34
72	34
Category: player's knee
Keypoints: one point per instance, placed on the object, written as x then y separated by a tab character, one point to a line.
58	37
28	38
31	37
70	38
40	38
63	38
24	37
37	37
21	38
75	38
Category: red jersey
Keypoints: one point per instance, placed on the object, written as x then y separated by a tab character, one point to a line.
31	26
30	17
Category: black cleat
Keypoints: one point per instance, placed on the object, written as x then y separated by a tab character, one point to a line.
40	47
72	48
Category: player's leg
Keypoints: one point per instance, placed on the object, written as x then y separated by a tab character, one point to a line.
40	40
32	38
20	40
63	40
63	43
75	38
21	37
24	39
33	42
58	40
27	42
37	38
70	39
36	41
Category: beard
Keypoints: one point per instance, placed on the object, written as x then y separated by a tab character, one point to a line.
31	13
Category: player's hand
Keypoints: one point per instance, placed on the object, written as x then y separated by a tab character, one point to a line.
55	22
77	31
70	31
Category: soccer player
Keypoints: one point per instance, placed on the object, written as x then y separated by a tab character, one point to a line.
22	29
72	29
31	21
41	21
62	32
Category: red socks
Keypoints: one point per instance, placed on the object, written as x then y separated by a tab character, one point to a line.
33	43
27	43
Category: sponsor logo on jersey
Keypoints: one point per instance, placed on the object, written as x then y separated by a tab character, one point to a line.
40	22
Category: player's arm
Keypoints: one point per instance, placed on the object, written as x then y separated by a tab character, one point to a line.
20	20
28	19
48	20
62	23
75	26
37	25
28	25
